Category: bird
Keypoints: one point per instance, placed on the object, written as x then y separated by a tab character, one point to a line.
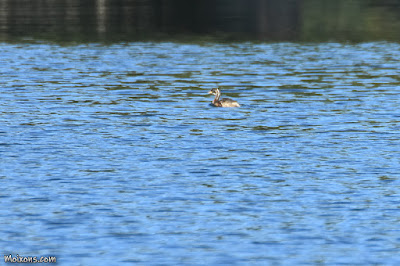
224	102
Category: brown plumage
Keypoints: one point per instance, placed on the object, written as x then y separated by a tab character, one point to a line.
224	102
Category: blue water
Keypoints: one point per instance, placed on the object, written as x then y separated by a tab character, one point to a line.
112	155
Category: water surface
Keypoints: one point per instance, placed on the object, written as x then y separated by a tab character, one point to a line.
113	154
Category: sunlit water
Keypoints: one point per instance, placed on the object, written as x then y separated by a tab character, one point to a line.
113	154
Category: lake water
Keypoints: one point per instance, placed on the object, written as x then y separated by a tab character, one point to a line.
112	154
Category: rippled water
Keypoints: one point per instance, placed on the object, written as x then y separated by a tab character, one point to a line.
112	154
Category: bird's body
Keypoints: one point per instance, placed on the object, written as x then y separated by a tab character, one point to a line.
224	102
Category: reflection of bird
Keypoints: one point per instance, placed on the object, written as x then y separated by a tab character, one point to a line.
224	102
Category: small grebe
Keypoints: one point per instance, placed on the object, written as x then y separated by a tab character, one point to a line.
224	102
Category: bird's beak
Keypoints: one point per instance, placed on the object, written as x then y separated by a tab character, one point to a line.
210	92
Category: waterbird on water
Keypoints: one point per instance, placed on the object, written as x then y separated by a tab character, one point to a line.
224	102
